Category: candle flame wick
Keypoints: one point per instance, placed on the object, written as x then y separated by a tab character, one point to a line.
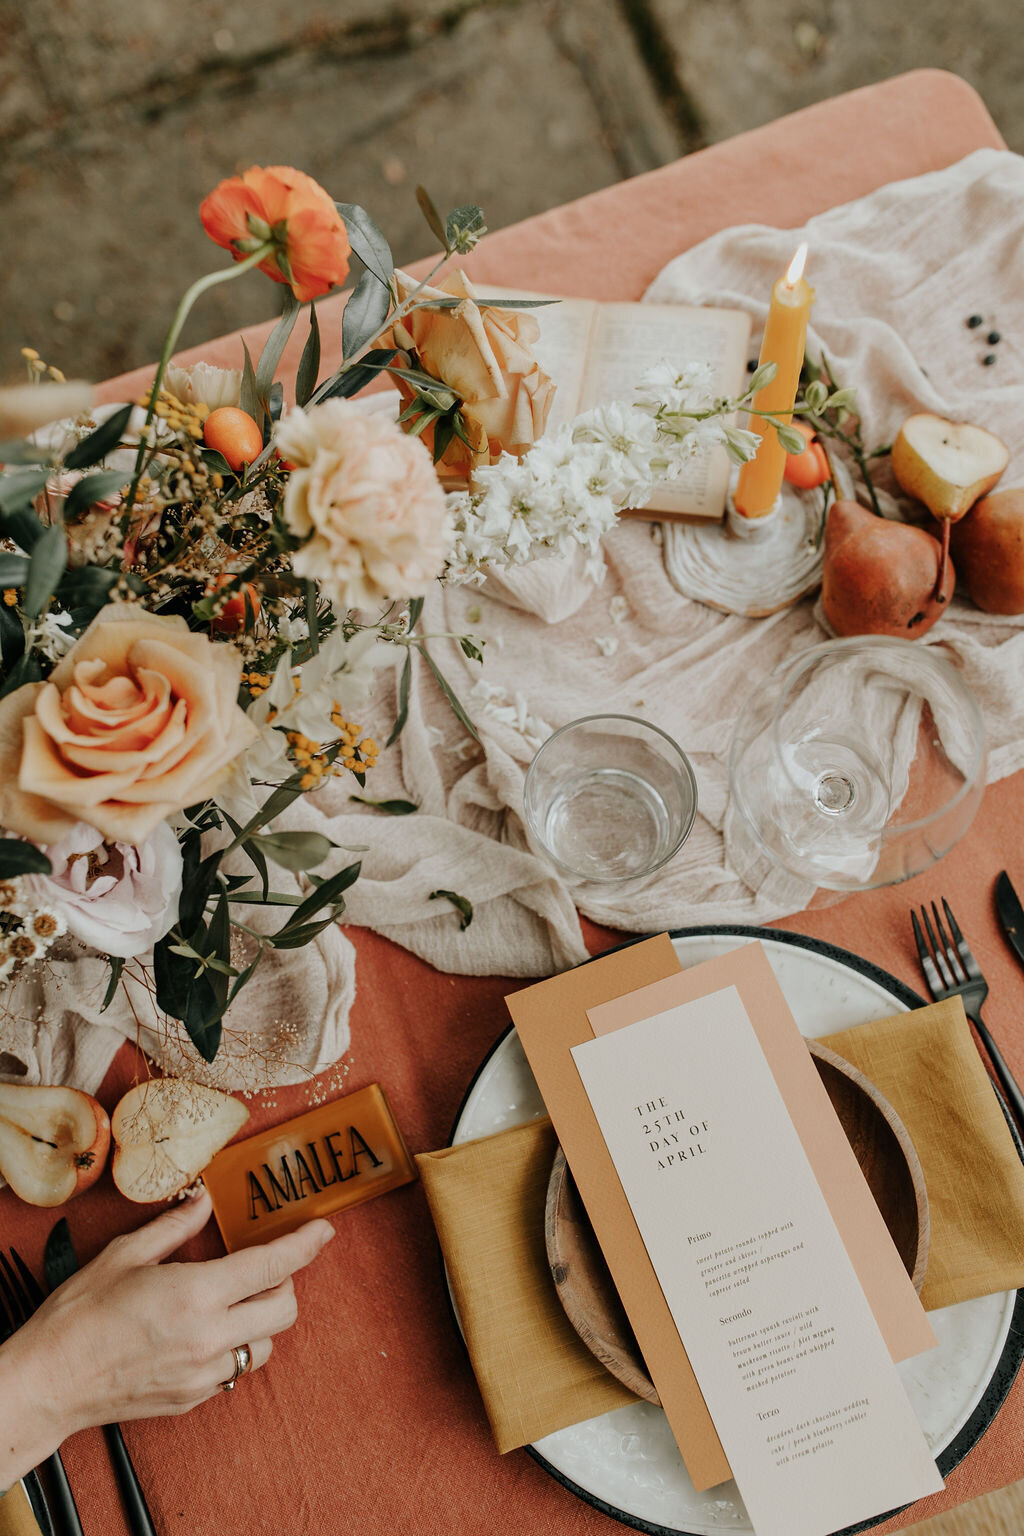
796	267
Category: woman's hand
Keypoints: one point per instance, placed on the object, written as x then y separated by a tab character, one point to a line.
129	1337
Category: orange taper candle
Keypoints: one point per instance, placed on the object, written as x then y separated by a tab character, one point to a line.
785	336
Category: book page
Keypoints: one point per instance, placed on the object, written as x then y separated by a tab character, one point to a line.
630	339
807	1403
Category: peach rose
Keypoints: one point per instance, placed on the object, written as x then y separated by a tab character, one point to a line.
137	721
311	242
369	497
486	357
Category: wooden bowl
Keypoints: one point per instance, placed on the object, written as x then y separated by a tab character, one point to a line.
887	1159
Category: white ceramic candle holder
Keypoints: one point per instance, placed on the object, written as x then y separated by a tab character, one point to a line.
753	566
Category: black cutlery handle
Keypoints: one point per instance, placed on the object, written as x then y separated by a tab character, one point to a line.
61	1497
37	1503
1007	1081
132	1496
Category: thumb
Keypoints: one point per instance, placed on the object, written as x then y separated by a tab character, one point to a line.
165	1234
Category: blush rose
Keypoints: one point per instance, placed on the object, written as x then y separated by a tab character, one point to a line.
137	721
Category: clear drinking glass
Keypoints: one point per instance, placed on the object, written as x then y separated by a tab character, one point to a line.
860	762
609	798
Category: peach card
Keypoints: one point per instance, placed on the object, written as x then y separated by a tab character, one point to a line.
901	1319
550	1018
809	1406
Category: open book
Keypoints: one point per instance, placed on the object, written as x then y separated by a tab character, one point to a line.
598	352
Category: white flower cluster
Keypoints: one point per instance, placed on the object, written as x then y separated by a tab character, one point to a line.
27	929
571	485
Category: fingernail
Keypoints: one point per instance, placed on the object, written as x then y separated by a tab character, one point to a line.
327	1236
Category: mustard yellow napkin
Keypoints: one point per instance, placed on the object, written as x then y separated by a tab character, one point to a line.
16	1518
927	1066
487	1200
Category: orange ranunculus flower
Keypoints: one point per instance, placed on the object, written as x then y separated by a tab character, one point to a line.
138	720
486	357
312	248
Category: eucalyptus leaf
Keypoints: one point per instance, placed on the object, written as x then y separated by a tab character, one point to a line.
248	398
86	589
18	450
349	382
446	689
91	489
431	214
415	609
19	490
13	570
18	858
195	891
98	444
367	241
326	893
49	558
12	636
453	302
292	850
25	670
402	713
116	967
462	903
23	527
470	649
296	938
309	362
274	347
365	312
392	807
443	434
274	804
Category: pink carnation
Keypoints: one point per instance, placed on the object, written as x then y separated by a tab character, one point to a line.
370	498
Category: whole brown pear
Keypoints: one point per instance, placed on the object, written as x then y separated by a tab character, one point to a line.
989	549
879	577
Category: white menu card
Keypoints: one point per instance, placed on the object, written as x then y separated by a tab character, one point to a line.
797	1378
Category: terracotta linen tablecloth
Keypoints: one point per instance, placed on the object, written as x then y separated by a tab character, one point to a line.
367	1420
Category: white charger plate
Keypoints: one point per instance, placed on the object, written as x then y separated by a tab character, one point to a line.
626	1463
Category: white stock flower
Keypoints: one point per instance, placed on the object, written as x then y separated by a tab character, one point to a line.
203	384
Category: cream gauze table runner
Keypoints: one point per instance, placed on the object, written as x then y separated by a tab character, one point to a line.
896	274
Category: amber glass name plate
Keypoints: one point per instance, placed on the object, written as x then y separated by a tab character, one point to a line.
337	1155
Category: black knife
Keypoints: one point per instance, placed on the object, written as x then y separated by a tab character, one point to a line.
1011	914
60	1261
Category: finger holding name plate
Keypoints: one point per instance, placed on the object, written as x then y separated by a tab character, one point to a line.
130	1336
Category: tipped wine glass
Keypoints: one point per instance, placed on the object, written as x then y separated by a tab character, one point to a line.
860	763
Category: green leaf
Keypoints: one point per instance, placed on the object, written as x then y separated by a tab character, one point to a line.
248	398
59	1258
275	345
13	570
25	670
12	637
116	963
463	227
453	302
392	807
309	362
293	850
463	903
49	558
327	892
367	241
19	490
353	379
403	701
443	434
274	804
431	214
215	462
98	444
85	590
432	391
446	689
295	938
415	609
18	450
423	422
365	313
470	649
218	952
271	899
186	996
197	884
91	489
18	858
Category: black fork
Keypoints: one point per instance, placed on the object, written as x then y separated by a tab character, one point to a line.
17	1286
951	970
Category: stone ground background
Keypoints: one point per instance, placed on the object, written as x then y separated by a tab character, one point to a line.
117	116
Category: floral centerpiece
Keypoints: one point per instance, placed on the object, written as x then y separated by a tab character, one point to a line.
196	588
